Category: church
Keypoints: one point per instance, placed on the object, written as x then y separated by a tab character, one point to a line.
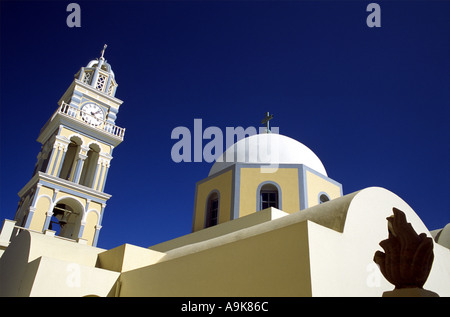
263	225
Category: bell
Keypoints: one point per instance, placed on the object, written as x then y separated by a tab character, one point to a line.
64	219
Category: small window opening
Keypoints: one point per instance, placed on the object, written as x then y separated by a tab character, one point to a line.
268	196
213	210
323	198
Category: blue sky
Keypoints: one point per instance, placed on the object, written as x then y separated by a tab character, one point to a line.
372	103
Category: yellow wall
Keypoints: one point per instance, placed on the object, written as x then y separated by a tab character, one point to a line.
316	184
223	184
274	263
247	196
251	178
42	206
89	228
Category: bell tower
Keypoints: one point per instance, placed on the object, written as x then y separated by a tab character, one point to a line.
66	192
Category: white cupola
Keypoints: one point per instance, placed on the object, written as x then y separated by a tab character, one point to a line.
99	75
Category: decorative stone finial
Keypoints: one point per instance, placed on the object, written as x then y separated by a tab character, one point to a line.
408	257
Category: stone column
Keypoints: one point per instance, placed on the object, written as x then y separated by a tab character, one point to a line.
80	162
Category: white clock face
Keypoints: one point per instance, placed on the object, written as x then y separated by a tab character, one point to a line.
92	114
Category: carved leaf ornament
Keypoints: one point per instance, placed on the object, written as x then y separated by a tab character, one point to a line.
408	257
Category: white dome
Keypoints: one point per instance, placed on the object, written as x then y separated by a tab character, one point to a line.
268	148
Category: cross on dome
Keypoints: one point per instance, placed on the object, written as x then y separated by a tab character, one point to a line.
266	120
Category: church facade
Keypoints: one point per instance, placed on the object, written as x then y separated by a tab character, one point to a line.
263	225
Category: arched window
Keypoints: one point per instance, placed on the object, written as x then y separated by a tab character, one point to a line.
212	210
45	161
44	158
268	197
70	159
90	166
323	197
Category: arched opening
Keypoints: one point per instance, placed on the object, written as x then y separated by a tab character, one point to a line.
268	196
45	161
90	166
212	210
70	159
44	158
66	219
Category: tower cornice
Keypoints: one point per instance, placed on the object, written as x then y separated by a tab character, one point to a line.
65	185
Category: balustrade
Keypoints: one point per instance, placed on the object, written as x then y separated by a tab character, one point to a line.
70	111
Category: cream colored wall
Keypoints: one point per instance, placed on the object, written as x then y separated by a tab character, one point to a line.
326	250
316	184
22	273
220	230
89	228
342	264
273	263
44	196
221	183
56	278
127	257
343	236
251	178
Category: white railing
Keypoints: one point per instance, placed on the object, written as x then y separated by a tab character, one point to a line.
70	111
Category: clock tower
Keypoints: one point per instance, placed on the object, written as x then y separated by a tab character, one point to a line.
66	192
